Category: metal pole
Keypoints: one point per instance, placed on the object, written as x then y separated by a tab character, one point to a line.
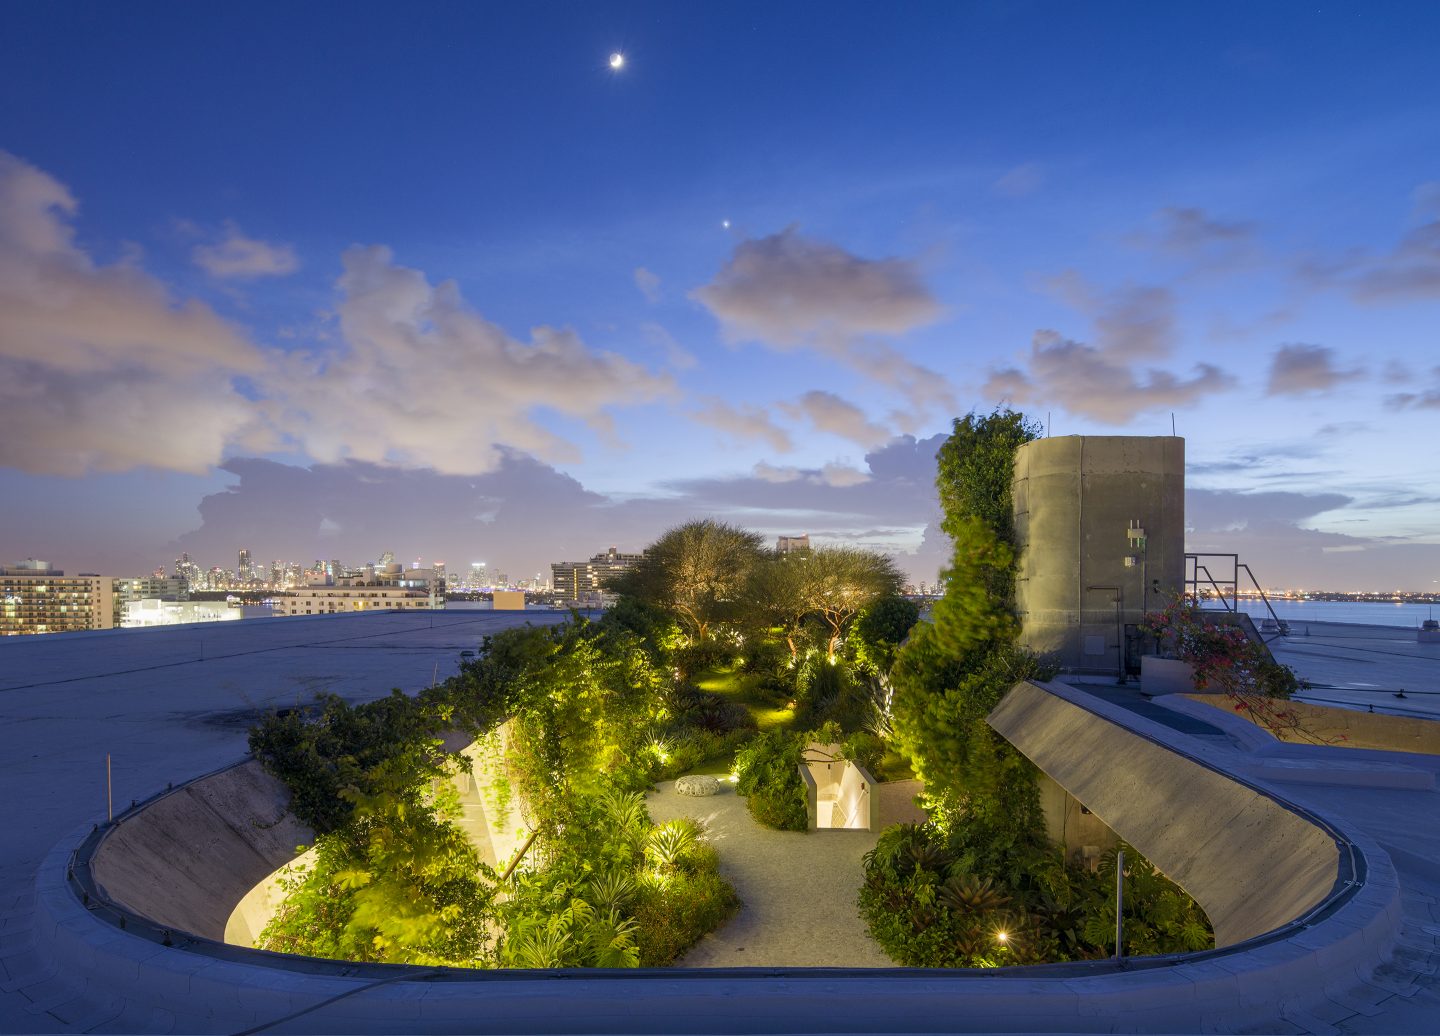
1119	903
109	791
1120	635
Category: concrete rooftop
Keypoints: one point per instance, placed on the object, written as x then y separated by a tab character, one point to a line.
169	704
1363	666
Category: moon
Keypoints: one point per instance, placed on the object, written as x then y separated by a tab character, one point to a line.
617	61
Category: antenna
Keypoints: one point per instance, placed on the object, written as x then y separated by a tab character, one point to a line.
1172	422
1047	424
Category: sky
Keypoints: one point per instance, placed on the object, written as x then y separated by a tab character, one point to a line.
325	280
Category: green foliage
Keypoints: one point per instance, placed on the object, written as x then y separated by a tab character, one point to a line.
322	754
620	892
696	572
865	750
672	916
928	906
398	883
699	656
1223	658
952	672
879	631
844	581
769	777
976	465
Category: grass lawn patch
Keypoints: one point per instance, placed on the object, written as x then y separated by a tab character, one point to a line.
746	689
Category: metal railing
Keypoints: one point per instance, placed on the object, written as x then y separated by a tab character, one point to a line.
1227	589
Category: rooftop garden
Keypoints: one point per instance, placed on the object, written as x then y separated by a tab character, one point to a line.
720	657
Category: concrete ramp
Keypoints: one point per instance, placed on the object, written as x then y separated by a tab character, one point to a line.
1252	864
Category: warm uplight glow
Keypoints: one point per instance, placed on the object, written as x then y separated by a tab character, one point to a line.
1002	937
617	61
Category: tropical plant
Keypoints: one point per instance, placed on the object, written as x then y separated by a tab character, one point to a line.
767	773
1224	660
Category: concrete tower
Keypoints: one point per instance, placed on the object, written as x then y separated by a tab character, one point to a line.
1100	521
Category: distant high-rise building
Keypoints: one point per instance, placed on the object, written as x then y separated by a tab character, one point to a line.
791	544
187	570
35	598
246	572
585	581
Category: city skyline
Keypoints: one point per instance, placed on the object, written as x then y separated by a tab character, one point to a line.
467	288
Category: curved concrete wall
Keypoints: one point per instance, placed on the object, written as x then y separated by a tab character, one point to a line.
1252	864
188	858
1074	496
138	979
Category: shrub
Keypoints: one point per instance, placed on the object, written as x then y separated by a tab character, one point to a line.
769	777
673	914
703	655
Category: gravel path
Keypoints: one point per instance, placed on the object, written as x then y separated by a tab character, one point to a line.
798	889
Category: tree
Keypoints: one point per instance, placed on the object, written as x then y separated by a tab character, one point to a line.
842	581
778	596
880	630
697	571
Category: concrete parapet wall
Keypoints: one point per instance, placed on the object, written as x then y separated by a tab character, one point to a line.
1354	729
130	983
124	980
1251	864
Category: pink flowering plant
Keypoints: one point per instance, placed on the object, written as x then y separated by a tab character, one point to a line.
1225	661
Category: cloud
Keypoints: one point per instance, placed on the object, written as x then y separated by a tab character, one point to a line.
676	355
827	412
422	379
773	473
788	291
1130	321
648	283
100	368
1021	181
1299	369
237	257
834	474
1409	271
1424	399
524	514
1096	383
843	475
1268	530
1212	510
1194	233
745	422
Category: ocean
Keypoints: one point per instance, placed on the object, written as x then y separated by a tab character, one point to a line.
1365	613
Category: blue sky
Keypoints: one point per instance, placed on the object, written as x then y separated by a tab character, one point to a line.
311	265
